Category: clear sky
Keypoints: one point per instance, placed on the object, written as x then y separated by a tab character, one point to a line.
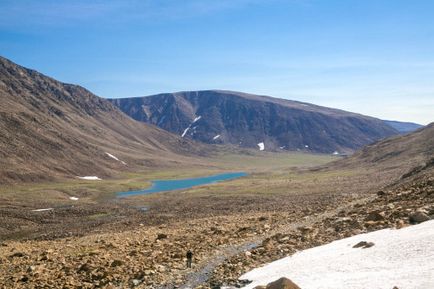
374	57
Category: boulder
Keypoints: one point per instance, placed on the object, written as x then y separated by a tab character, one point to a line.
17	254
282	283
161	236
116	263
375	216
364	245
418	217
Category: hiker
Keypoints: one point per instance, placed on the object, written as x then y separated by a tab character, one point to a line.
189	258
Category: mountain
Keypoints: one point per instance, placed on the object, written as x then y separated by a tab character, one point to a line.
255	121
403	127
52	129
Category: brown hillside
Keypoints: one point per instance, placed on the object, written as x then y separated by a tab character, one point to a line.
407	154
50	129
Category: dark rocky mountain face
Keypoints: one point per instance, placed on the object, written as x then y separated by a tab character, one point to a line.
247	120
51	129
403	127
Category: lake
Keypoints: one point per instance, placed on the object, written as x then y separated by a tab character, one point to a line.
171	185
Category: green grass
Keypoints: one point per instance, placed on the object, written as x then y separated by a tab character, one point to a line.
268	172
271	161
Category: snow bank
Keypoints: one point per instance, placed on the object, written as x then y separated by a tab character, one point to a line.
73	198
43	210
261	146
186	130
90	178
115	158
402	258
216	137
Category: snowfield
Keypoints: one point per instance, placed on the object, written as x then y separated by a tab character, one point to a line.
402	258
115	158
90	178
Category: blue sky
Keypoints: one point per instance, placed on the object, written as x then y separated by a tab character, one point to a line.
374	57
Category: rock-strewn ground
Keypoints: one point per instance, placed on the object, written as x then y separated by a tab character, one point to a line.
146	257
395	207
224	246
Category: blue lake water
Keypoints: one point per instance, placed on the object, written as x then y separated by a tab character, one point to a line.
171	185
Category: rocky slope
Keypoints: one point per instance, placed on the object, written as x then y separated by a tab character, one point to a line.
50	129
262	122
394	207
408	153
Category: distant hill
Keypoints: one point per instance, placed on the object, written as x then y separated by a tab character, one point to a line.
53	129
255	121
408	154
403	127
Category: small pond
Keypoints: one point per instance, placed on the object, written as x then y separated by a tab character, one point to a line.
171	185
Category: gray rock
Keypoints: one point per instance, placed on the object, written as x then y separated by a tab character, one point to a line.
418	217
282	283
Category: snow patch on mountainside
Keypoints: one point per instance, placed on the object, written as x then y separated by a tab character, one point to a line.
403	258
186	130
89	178
216	137
43	210
261	146
115	158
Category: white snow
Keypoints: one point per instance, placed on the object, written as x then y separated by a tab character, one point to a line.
261	146
115	158
216	137
90	178
402	258
282	147
112	156
73	198
43	210
335	153
186	130
306	146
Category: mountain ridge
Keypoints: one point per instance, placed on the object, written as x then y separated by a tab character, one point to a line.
247	120
53	129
